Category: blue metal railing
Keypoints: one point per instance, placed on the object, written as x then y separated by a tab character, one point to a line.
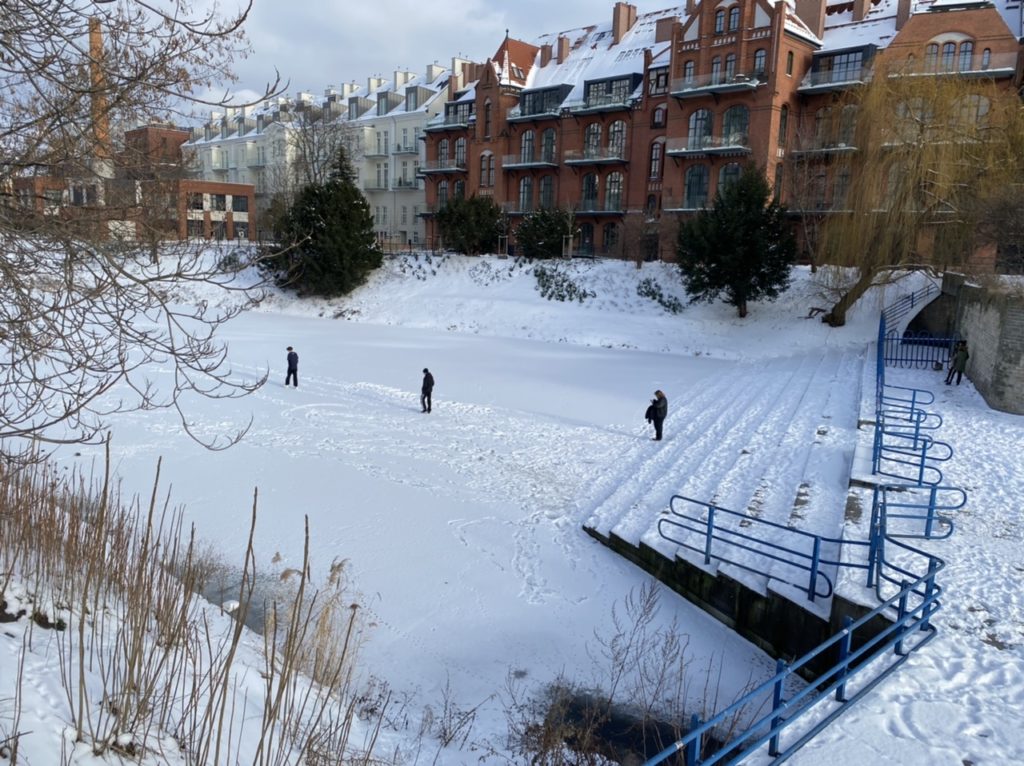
904	305
909	609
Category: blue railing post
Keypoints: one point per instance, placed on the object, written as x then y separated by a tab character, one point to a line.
929	593
900	614
710	534
780	676
691	753
930	517
815	559
844	658
874	539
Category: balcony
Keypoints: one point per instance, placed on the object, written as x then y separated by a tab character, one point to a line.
407	149
448	165
734	144
589	206
543	159
370	153
516	208
995	66
450	122
834	79
375	185
604	102
703	85
675	205
821	147
596	155
516	114
405	184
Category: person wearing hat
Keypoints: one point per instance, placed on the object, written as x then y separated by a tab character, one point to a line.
293	368
426	390
657	413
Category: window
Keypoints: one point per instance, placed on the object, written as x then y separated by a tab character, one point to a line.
657	153
487	119
658	117
617	139
730	67
734	18
613	191
716	70
592	140
195	201
589	197
783	125
240	203
442	150
719	21
847	125
931	57
458	191
460	152
442	193
486	169
839	191
657	84
966	56
526	146
405	215
700	129
411	100
986	58
735	124
696	187
652	205
525	194
948	54
218	202
547	145
729	174
611	237
789	64
688	71
586	239
760	58
547	192
821	127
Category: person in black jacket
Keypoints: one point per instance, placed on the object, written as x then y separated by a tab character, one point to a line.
293	368
657	413
428	388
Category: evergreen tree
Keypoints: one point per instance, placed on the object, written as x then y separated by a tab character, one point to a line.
741	249
470	225
541	233
327	238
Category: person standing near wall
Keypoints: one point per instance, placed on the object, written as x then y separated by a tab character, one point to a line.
958	364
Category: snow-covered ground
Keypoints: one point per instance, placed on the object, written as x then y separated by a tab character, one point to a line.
462	529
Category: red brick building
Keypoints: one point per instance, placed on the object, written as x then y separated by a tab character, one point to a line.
638	120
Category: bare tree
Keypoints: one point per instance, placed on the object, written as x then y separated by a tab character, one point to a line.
85	311
929	146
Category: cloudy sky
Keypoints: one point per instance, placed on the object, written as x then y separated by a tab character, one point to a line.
316	43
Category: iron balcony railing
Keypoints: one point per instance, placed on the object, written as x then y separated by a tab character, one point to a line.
718	82
401	184
735	142
445	165
530	159
601	103
595	155
516	113
587	205
407	149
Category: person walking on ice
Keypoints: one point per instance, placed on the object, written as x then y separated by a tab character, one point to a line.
426	390
657	413
293	368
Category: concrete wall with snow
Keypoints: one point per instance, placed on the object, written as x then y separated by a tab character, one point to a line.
993	325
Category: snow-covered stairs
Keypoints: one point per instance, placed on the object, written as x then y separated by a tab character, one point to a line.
774	440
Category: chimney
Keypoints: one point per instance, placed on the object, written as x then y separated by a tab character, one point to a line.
434	71
348	88
663	30
812	13
902	13
623	19
860	9
562	51
98	104
401	78
545	54
691	7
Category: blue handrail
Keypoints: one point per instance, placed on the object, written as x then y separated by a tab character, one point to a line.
903	306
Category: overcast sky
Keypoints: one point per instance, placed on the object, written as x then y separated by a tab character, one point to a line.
316	43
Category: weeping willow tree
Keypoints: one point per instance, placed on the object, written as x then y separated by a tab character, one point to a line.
931	150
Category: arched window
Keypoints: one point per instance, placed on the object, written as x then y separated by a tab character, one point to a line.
442	193
734	18
613	191
696	187
689	68
486	169
659	116
586	239
966	56
459	189
460	152
730	67
948	55
657	153
760	59
588	200
526	146
487	119
931	57
617	139
490	170
719	21
841	188
735	126
592	140
783	124
652	205
847	124
986	58
700	129
525	194
547	145
821	127
547	192
443	150
789	64
611	237
716	70
729	174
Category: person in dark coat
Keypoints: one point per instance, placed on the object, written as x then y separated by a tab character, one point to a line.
426	390
293	368
657	413
958	364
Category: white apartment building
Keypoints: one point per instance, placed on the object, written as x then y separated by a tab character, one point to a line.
382	124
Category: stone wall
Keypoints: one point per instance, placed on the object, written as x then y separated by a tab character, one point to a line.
992	323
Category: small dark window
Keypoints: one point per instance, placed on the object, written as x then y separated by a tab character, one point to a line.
789	63
240	204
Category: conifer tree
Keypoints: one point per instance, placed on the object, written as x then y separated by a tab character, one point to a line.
542	232
327	238
470	225
740	249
